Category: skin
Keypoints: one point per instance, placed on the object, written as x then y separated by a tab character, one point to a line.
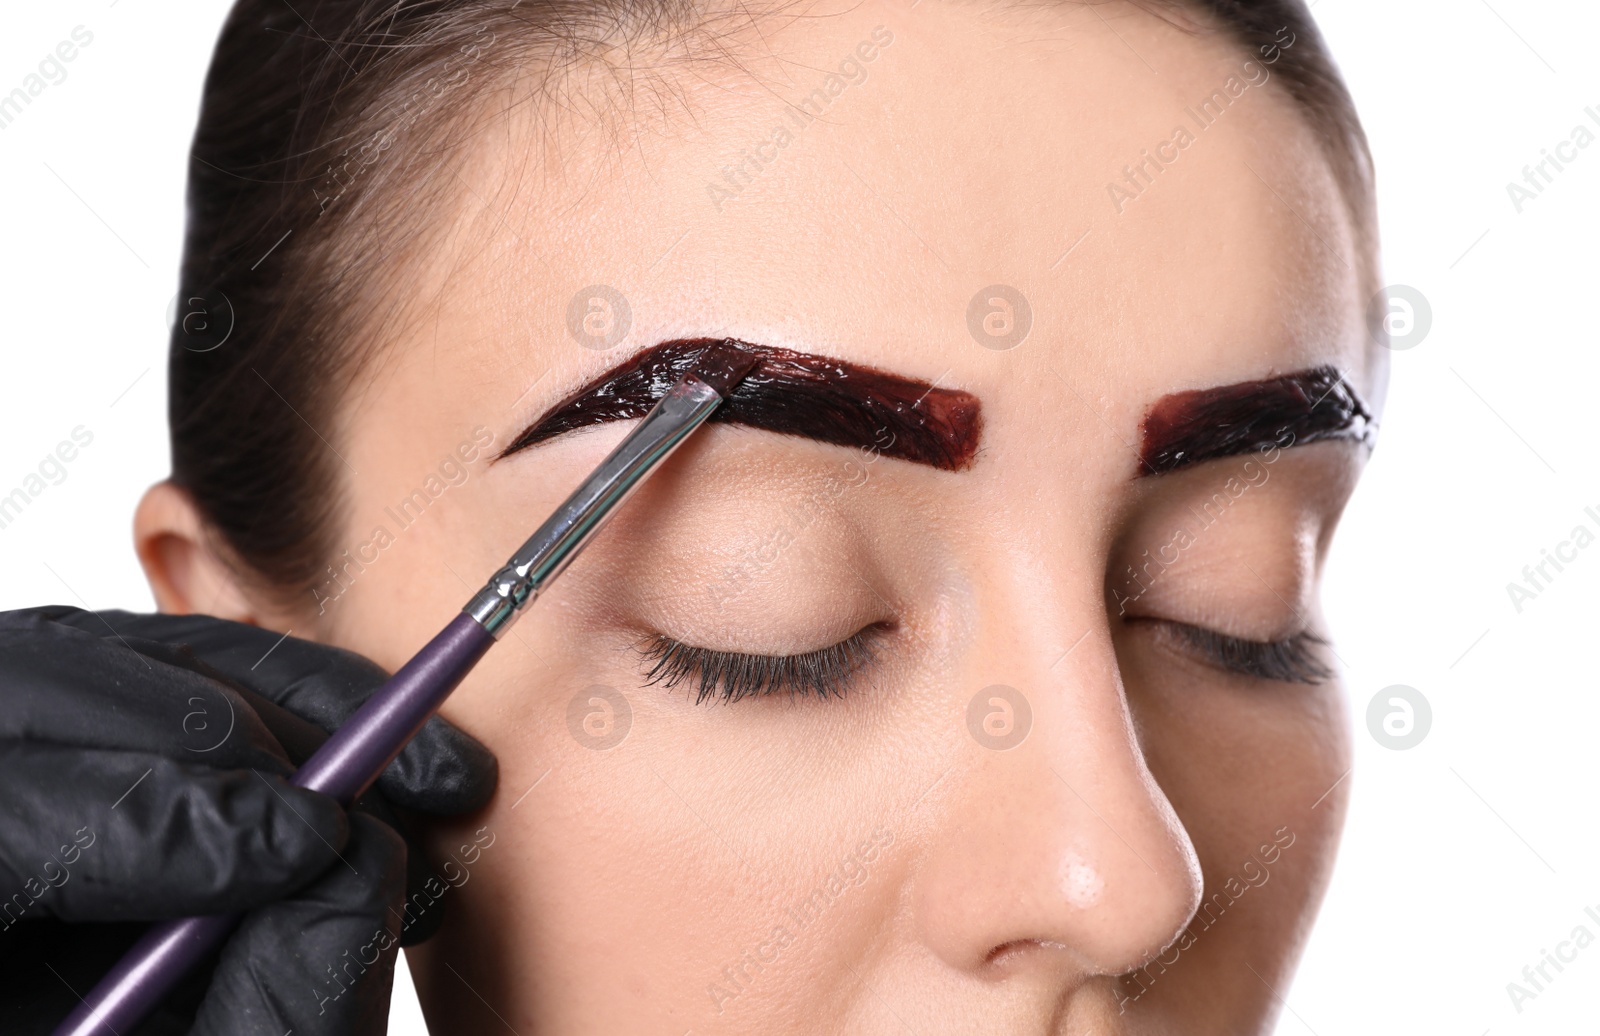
990	890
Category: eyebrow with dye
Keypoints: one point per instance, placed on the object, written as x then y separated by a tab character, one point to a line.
1304	407
794	393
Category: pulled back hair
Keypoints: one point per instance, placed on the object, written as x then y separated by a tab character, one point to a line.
315	171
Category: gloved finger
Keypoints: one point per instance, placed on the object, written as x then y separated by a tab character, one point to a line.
91	835
320	963
442	770
418	873
215	709
67	687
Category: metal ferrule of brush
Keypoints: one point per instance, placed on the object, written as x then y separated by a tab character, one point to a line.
549	550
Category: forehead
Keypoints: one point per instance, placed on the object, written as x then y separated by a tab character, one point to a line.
856	182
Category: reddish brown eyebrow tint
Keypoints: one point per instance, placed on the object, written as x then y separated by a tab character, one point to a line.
1307	406
793	393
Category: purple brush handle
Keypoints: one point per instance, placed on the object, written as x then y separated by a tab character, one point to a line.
345	765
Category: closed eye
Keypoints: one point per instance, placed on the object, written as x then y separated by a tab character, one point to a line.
1295	659
730	675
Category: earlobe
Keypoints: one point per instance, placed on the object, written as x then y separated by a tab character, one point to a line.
185	571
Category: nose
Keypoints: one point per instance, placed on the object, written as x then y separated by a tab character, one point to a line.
1055	850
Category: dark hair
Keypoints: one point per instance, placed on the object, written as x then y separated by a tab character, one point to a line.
314	171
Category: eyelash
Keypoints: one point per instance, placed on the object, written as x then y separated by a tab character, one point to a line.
1291	660
827	672
730	675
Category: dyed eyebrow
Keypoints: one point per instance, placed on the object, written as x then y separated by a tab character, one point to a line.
1292	410
793	393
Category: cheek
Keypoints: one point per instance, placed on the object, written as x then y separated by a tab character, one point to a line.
1243	766
645	845
1244	769
1238	761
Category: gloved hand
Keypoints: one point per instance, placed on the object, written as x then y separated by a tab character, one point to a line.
143	766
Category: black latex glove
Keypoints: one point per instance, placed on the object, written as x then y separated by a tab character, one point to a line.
143	766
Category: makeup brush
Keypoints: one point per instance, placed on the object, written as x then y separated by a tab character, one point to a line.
353	757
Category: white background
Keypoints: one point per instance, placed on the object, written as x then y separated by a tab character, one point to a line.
1465	857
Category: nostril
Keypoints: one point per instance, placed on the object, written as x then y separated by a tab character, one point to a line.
1007	954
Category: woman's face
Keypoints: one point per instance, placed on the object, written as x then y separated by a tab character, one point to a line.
1044	804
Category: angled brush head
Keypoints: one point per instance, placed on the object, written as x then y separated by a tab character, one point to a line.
723	365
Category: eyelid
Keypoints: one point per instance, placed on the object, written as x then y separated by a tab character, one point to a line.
1292	659
732	675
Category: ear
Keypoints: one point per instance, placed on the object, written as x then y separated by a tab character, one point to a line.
185	570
